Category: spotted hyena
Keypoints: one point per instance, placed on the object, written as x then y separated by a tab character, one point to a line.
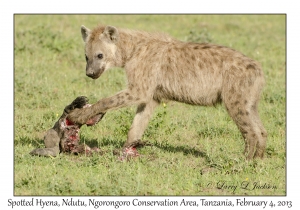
159	67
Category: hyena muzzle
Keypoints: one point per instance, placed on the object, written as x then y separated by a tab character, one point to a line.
159	67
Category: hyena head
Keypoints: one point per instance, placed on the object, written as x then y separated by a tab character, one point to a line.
100	49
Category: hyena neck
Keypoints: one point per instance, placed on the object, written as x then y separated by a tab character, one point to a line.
131	43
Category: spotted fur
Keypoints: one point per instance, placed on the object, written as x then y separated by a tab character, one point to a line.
159	67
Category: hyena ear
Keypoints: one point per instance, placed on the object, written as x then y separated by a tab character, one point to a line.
111	33
85	32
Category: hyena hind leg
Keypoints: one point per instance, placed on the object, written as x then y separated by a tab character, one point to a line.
262	143
247	120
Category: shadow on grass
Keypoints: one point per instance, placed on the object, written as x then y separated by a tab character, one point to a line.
90	142
183	148
115	143
105	141
39	143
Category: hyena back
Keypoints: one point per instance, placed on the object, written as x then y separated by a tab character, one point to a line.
159	67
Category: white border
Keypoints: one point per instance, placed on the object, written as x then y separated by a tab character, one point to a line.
155	6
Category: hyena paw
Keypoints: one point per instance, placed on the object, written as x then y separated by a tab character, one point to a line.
79	102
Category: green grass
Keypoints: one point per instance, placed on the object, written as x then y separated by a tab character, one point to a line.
195	150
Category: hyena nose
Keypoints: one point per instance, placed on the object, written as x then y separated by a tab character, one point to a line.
90	73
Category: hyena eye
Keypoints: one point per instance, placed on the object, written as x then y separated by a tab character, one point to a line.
86	58
100	56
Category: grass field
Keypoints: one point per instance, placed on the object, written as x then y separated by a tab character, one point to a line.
195	150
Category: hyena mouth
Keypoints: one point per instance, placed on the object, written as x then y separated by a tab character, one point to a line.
99	72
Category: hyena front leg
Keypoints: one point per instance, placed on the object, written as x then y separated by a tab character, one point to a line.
140	122
121	99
